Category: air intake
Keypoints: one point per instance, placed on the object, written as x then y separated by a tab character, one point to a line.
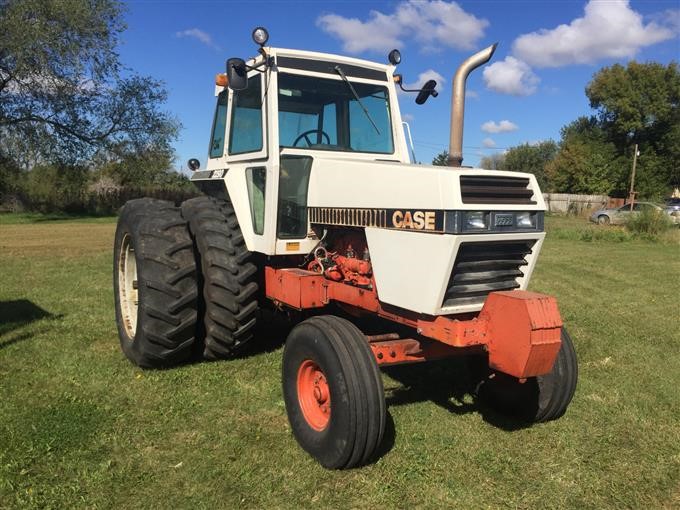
490	189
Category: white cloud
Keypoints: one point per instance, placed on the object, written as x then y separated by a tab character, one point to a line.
488	143
199	35
425	76
669	18
504	126
511	76
608	29
407	117
472	94
433	24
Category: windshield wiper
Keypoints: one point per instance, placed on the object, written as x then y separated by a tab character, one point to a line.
339	70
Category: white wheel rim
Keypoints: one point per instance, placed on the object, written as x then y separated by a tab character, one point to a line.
128	295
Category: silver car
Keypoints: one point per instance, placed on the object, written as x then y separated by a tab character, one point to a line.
619	215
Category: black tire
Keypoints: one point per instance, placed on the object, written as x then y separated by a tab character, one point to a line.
159	331
603	219
356	420
227	285
539	399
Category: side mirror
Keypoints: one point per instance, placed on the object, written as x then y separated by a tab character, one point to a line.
427	91
237	74
193	164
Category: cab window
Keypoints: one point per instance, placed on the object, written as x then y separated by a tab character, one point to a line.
246	119
219	126
324	114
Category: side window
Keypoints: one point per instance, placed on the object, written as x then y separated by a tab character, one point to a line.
292	207
256	179
246	119
219	126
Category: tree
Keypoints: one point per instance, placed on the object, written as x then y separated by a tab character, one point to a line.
495	161
441	159
587	162
640	104
62	90
531	158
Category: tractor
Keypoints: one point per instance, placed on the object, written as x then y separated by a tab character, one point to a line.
311	208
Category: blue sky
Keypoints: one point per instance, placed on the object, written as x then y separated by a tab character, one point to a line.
548	51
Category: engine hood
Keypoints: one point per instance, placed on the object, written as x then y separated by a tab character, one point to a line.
349	183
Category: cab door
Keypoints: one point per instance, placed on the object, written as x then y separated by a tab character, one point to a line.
248	174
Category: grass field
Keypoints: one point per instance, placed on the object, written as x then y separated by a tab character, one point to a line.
81	427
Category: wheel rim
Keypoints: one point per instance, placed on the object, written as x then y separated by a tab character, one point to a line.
128	296
314	395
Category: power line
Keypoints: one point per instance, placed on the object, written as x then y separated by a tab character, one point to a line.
445	146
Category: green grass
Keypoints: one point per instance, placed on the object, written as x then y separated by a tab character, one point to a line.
57	217
81	427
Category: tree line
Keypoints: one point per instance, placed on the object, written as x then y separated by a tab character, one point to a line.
74	122
638	104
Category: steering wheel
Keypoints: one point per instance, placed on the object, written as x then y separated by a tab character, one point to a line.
306	134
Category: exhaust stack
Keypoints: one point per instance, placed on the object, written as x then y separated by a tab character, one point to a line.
458	102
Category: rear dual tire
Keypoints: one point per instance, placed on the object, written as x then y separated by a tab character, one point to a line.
154	280
228	288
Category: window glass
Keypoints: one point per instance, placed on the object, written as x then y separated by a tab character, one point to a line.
323	114
246	119
293	184
256	179
364	136
219	126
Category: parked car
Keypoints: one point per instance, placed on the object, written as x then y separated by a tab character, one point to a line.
619	215
673	204
673	209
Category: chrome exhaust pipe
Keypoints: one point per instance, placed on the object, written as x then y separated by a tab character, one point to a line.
458	102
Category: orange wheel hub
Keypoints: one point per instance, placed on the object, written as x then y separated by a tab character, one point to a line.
314	395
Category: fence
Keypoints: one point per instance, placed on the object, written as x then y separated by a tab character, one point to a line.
573	204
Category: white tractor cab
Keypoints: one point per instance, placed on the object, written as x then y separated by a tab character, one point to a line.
301	135
310	200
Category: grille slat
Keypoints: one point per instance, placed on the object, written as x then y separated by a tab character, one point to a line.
489	264
481	268
487	189
485	276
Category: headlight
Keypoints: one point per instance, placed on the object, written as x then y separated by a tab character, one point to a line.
525	220
475	220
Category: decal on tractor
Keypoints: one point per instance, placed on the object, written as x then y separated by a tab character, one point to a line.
418	220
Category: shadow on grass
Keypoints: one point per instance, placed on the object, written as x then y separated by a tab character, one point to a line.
17	314
451	384
270	334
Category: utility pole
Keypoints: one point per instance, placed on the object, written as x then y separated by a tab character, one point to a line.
631	194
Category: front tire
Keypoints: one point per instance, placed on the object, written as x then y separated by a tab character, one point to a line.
154	280
333	392
603	220
538	399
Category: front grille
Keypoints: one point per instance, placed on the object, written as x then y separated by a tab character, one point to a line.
484	267
489	189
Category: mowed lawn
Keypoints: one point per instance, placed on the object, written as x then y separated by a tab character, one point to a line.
82	427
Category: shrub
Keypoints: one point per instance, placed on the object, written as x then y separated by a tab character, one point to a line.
649	223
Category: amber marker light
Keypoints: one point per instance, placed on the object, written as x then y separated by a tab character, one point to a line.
221	80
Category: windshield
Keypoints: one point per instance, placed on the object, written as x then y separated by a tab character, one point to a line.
323	114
